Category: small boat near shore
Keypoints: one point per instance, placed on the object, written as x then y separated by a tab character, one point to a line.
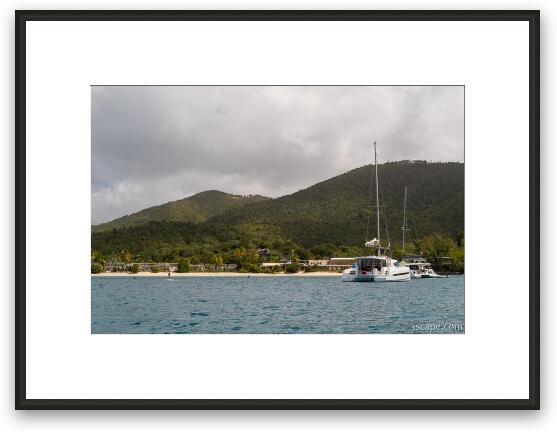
379	267
419	267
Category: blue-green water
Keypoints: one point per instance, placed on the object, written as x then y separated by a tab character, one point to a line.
275	305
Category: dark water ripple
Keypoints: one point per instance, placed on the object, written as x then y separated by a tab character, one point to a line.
275	305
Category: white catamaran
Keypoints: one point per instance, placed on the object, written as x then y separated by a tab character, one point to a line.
378	267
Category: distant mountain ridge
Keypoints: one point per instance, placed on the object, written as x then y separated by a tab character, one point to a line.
333	212
196	208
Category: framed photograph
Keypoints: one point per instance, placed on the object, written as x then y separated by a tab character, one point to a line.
273	210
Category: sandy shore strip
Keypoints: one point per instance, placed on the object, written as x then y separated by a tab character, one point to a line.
216	274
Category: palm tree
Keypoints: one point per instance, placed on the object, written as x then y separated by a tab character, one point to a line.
239	253
218	261
125	256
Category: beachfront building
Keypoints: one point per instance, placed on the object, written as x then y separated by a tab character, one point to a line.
212	267
330	265
319	262
342	261
339	264
273	265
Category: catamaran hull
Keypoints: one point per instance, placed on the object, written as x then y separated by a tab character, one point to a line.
393	278
357	278
402	276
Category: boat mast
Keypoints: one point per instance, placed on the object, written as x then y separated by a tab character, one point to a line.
404	220
377	198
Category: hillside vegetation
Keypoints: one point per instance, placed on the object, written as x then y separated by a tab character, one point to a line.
197	208
324	220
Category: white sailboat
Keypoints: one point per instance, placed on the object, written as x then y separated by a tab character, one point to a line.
378	267
419	267
415	270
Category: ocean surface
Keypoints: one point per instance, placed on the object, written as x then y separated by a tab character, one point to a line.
275	305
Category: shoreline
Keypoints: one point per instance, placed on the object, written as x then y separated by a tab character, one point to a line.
214	274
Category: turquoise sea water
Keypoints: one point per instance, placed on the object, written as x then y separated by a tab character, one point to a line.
275	305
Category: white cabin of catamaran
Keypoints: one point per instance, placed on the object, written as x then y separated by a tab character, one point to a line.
378	267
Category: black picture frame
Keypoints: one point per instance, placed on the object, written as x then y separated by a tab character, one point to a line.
531	16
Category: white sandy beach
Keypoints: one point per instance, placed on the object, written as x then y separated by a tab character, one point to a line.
218	274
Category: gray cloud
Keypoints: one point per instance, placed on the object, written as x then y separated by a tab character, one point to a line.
155	144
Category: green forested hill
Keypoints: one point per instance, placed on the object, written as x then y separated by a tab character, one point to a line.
196	208
329	218
336	210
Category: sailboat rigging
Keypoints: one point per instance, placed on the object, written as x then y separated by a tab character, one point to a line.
419	267
379	267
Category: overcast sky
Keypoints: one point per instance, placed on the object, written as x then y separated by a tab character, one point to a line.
155	144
